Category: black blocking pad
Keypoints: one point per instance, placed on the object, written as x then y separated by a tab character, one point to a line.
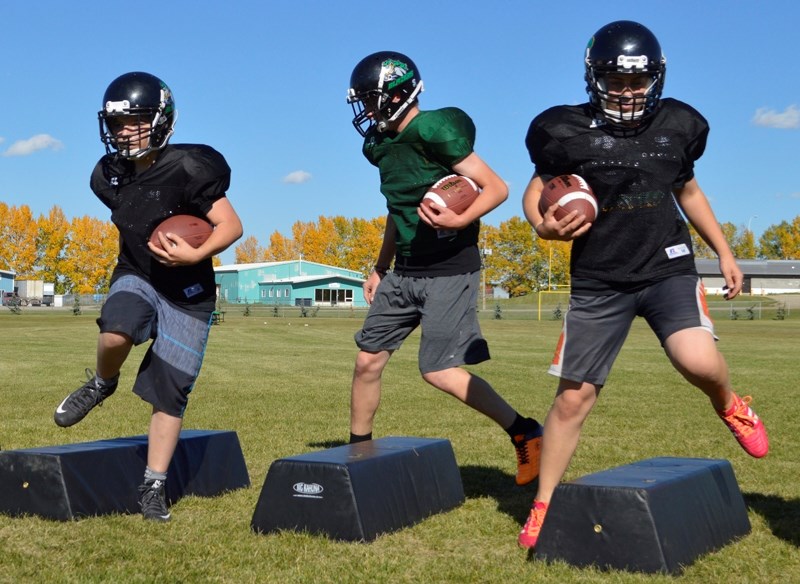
655	515
101	477
358	491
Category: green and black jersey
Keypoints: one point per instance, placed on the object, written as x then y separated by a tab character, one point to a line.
409	163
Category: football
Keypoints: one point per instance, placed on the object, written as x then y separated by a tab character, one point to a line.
193	229
454	192
572	193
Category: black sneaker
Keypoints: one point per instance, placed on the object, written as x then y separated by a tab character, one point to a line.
81	401
153	501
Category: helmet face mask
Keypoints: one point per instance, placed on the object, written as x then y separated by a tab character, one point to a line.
625	71
138	115
382	87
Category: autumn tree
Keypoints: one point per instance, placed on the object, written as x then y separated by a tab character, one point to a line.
782	241
739	239
18	233
336	241
520	261
280	249
363	239
53	235
90	255
249	252
5	250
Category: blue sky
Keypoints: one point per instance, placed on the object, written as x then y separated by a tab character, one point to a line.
265	82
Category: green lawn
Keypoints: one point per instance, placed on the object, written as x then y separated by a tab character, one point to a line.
283	385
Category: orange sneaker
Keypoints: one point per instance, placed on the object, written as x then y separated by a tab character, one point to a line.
746	426
530	531
528	447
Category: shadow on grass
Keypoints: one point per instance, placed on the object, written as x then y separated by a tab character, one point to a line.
482	481
782	515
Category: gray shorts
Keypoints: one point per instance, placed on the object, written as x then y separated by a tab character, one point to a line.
172	362
444	306
595	327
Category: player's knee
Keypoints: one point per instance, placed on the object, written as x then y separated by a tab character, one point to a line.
574	403
369	364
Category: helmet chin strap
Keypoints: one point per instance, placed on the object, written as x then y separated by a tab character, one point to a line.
618	117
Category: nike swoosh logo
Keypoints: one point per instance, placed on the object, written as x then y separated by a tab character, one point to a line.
60	409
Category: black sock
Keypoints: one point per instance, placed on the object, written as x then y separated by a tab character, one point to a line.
521	425
356	438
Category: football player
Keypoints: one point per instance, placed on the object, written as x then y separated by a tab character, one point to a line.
167	294
637	150
435	279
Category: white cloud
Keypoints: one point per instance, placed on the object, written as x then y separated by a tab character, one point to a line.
297	177
2	139
31	145
788	119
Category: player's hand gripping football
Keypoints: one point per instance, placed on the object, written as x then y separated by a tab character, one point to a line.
440	217
177	251
568	228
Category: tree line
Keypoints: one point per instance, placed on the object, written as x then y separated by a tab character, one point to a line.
78	255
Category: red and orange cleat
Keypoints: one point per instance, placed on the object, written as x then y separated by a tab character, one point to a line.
746	426
530	531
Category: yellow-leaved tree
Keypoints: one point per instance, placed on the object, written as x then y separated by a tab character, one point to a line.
280	249
90	255
363	239
782	241
339	241
52	241
18	233
5	263
520	261
249	252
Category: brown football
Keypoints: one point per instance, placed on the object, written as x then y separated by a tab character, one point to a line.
572	193
193	229
454	192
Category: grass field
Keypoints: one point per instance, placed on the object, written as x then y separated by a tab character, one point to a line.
283	385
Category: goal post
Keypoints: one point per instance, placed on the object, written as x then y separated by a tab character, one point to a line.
554	302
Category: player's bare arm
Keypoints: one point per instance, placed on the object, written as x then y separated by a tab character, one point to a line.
227	229
547	226
494	192
697	209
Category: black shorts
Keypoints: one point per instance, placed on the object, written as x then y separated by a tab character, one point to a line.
595	327
172	363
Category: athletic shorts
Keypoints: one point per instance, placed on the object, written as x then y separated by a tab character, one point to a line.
444	306
595	327
172	362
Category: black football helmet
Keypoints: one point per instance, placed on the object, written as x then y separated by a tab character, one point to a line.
142	95
382	87
625	47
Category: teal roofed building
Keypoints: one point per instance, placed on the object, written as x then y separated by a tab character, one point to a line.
290	283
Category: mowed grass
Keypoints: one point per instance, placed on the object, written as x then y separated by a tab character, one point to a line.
283	385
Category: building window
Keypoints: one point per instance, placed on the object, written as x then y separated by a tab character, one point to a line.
332	296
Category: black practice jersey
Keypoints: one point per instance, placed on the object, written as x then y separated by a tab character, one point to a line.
185	179
639	235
